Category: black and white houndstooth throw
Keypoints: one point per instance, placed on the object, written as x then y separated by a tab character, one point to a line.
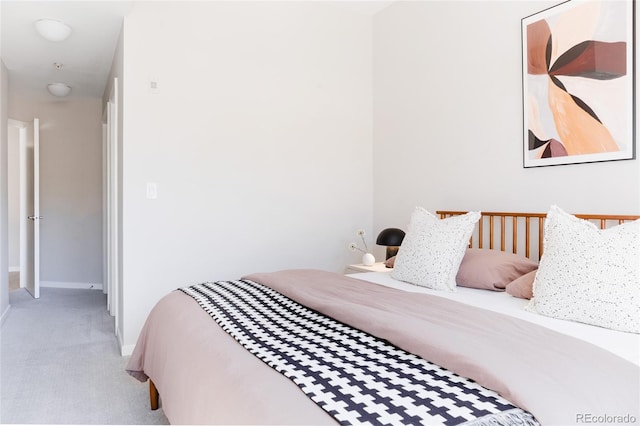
354	376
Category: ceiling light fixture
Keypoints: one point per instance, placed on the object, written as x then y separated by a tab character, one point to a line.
59	89
53	29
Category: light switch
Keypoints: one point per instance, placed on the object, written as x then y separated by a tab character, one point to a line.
152	190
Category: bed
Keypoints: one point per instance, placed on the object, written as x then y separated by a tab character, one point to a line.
501	346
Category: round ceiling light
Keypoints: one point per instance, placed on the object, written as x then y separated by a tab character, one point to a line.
53	29
59	89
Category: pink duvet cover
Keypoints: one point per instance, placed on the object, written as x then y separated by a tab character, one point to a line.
205	377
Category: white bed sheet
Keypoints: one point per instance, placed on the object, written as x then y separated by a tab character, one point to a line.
625	345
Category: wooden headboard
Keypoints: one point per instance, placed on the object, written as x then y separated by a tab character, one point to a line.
507	234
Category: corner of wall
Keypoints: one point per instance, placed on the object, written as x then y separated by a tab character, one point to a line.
4	193
4	315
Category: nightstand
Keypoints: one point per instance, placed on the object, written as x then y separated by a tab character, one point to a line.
376	267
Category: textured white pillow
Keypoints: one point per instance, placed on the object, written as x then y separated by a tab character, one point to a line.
589	275
433	248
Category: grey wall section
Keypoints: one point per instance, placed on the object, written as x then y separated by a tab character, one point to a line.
4	219
70	186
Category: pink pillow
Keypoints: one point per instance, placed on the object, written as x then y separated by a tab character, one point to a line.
522	287
492	269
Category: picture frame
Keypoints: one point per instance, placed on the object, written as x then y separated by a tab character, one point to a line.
578	80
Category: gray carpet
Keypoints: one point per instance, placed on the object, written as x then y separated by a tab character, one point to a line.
60	364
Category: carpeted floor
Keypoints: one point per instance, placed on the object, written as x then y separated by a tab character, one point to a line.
60	363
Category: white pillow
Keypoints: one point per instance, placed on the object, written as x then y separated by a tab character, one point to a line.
432	249
589	275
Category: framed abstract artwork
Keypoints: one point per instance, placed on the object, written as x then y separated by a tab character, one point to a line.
579	83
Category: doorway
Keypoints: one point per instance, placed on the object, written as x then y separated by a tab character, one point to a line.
24	205
13	206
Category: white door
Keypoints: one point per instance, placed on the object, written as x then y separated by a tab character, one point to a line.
32	168
111	205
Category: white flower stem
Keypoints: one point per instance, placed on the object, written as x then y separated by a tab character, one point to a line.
365	243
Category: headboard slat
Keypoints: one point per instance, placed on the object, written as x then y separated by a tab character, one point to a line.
491	233
527	232
540	236
502	228
514	240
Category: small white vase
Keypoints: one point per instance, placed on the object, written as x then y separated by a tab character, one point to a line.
368	259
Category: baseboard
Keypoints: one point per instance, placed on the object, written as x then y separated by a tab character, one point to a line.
4	316
14	269
125	350
65	284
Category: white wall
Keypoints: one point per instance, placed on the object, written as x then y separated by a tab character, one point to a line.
447	84
259	137
70	186
259	141
4	220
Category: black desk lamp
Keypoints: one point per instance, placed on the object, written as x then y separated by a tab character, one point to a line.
392	238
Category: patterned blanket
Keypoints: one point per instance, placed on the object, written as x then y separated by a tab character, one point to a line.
352	375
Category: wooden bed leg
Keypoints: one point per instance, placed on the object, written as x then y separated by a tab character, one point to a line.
153	395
